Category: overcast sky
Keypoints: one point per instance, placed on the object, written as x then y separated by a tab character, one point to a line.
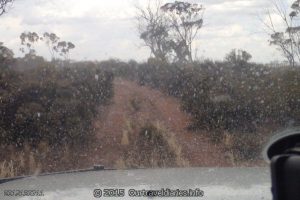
103	29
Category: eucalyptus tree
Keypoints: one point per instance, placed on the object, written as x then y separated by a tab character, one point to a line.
56	46
238	57
169	30
154	30
63	48
286	38
185	20
51	40
28	40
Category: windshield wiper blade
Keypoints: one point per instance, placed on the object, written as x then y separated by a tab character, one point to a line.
4	180
94	168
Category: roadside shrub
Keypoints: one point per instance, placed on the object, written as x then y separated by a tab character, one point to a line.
243	146
220	95
56	105
152	146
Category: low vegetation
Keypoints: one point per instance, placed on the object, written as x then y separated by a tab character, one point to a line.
232	96
51	104
48	104
150	145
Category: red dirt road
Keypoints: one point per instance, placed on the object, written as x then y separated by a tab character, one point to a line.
135	104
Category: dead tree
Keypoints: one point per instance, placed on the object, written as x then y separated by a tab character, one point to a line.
3	5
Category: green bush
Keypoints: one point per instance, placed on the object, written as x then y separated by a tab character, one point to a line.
56	105
220	95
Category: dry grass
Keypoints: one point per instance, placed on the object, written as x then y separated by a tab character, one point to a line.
7	169
125	138
242	147
173	145
150	145
29	161
20	162
135	103
120	164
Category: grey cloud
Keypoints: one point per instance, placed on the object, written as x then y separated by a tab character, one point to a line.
100	35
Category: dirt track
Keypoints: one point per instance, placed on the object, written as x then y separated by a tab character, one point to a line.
137	104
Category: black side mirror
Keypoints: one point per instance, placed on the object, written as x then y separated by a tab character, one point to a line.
283	152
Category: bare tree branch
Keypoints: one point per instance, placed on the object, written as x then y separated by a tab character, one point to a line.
3	5
186	19
288	39
153	30
170	30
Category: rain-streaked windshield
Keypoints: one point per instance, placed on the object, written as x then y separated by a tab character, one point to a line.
144	84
